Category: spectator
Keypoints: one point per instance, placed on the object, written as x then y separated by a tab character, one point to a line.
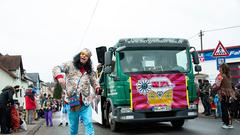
15	119
48	109
205	97
30	105
218	111
6	100
225	93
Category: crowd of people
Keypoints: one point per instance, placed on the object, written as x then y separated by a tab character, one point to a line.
222	99
77	76
11	118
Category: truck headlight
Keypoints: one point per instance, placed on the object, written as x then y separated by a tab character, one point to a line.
126	110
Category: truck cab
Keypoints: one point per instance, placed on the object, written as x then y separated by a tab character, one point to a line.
148	80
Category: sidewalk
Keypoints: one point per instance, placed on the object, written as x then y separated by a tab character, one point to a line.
31	129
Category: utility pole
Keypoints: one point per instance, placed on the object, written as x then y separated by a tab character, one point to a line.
200	35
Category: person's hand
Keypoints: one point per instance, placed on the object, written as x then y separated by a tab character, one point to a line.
62	82
99	90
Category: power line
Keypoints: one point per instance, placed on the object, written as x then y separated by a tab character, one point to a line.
89	23
201	33
222	28
211	30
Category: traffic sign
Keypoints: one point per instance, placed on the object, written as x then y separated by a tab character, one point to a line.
220	50
220	61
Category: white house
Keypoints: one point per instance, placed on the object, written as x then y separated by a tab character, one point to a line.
6	78
12	73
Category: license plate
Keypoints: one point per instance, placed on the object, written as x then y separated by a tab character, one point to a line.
161	108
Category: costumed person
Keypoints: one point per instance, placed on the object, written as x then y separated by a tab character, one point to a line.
63	112
76	77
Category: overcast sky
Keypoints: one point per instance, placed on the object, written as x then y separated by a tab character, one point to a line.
49	32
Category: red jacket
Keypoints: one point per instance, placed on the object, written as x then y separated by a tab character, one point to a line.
30	104
15	121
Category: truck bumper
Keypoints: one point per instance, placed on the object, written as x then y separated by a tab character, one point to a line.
122	116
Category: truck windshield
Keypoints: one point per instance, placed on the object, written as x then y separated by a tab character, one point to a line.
154	61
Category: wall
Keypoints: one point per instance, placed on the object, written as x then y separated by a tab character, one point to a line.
5	79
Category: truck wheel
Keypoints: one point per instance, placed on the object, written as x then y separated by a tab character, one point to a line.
112	123
177	123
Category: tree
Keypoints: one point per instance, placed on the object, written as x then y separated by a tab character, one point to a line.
57	93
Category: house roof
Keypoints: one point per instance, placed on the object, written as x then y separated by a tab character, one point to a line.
51	84
12	63
33	76
8	72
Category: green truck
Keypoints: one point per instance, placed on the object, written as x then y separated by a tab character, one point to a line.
147	80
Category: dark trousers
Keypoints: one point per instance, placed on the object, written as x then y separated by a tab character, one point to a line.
4	119
206	103
9	124
225	110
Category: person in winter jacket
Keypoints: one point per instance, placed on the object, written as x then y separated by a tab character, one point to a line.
225	93
15	119
6	100
30	105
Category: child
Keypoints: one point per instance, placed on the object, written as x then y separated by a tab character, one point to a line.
15	120
48	111
23	124
218	111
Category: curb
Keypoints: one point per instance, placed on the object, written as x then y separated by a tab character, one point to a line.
35	128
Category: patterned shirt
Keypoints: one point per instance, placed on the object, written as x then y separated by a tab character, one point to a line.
76	81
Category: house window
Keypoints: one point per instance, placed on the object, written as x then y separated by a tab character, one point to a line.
20	92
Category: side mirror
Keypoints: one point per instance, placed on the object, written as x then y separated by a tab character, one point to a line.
100	53
195	57
108	59
198	68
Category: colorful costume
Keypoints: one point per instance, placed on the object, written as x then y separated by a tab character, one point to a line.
79	81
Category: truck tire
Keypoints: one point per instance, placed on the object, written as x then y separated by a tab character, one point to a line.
114	126
177	123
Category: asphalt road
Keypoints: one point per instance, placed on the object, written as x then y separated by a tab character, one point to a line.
199	126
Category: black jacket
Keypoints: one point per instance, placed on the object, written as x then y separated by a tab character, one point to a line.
6	97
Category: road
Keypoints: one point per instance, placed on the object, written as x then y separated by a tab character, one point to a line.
199	126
